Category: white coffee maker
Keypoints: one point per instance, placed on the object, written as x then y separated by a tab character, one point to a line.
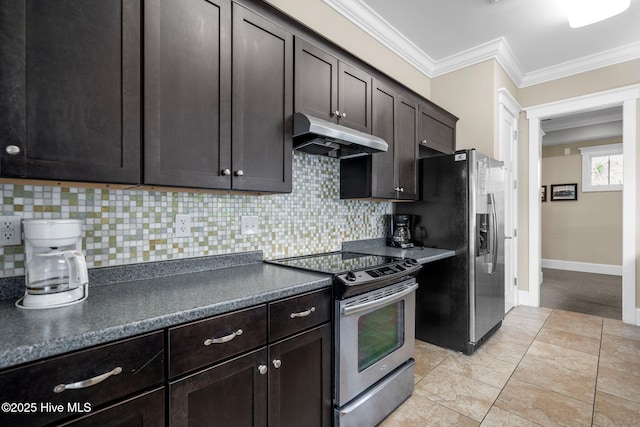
56	270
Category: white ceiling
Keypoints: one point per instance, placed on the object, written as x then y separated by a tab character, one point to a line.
531	39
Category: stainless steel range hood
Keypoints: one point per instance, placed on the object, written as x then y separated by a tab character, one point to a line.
316	136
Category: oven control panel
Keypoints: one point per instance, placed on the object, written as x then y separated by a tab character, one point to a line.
390	269
381	274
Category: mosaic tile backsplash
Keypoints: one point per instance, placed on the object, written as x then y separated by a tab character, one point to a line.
135	226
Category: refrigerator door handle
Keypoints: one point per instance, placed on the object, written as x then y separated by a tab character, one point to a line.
494	234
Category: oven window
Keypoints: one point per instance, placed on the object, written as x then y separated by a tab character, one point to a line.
380	333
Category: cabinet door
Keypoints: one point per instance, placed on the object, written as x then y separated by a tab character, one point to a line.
300	380
316	81
70	90
187	93
146	410
232	394
262	103
384	182
354	97
407	148
436	131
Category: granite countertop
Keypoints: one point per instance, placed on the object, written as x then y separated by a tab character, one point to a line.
133	307
420	254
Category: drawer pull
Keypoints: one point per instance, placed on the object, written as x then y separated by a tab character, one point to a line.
262	369
303	313
224	339
86	383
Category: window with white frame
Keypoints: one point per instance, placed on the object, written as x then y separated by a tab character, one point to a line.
602	168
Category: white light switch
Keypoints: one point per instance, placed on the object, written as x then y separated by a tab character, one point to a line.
249	224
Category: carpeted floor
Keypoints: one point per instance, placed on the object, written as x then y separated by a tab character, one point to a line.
596	294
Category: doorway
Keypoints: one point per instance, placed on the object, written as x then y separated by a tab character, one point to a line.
627	97
581	235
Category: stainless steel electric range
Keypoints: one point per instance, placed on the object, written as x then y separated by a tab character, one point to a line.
374	331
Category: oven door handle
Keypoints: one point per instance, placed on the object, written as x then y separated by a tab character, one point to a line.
346	311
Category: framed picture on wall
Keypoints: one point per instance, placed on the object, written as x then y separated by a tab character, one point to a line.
564	192
543	193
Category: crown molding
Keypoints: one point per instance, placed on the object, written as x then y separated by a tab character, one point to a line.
361	15
497	49
373	24
581	120
588	63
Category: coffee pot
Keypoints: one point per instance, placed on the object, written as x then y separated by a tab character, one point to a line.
400	231
56	270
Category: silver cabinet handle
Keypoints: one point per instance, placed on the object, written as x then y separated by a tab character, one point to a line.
262	369
399	189
226	172
239	172
302	313
336	113
224	339
424	141
277	363
343	115
12	150
86	383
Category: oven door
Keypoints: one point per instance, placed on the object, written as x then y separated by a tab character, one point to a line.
375	334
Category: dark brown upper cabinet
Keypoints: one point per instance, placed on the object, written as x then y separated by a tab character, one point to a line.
436	129
262	103
392	174
407	149
330	89
187	81
70	90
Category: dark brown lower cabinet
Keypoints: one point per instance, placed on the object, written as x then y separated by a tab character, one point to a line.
300	387
146	410
233	393
126	368
285	384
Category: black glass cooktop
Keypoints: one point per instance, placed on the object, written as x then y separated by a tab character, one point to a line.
335	262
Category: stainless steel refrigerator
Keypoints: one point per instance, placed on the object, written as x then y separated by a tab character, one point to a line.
460	300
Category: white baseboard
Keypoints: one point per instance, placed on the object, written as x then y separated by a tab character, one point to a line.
523	298
584	267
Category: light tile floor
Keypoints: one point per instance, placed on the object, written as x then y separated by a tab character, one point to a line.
543	367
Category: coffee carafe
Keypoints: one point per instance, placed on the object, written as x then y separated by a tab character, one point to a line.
56	270
400	231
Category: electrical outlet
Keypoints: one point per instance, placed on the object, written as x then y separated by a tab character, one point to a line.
249	225
10	230
183	226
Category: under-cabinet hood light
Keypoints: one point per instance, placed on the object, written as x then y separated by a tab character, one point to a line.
586	12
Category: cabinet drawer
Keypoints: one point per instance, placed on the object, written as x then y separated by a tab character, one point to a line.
207	341
83	377
295	314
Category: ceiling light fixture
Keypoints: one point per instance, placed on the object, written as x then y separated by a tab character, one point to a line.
586	12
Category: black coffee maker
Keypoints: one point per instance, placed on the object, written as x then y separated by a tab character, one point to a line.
399	231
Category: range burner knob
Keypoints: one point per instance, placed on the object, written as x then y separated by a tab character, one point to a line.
351	276
409	263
